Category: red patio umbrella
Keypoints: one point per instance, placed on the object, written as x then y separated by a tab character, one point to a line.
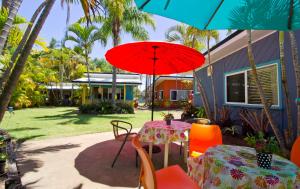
154	58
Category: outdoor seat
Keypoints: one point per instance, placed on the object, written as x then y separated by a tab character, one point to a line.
172	177
202	137
295	152
122	137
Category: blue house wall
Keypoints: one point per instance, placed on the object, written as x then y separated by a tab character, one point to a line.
265	51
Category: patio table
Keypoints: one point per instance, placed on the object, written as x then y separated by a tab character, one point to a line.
226	166
157	132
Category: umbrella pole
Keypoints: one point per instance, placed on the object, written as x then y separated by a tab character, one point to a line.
153	80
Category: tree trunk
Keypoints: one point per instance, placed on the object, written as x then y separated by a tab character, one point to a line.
295	59
88	75
6	3
288	133
212	79
13	10
20	64
14	57
116	35
203	96
262	96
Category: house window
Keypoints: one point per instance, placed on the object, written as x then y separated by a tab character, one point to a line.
176	95
241	87
161	95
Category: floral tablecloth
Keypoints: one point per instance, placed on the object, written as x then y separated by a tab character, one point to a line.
158	132
227	166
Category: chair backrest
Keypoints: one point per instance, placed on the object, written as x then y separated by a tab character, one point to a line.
295	153
203	121
204	136
147	176
120	125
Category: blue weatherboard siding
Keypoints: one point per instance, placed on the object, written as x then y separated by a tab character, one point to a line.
265	50
129	92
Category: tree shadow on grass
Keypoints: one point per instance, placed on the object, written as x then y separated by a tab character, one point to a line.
23	139
21	129
72	116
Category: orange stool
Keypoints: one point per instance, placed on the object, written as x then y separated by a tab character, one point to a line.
295	153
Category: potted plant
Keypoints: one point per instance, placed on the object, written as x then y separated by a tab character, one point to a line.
167	117
264	149
3	158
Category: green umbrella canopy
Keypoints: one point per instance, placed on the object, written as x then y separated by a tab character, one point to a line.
228	14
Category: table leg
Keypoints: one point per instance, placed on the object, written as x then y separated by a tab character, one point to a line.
166	154
185	151
150	149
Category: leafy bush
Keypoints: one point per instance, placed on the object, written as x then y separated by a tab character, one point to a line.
190	111
106	107
257	121
224	118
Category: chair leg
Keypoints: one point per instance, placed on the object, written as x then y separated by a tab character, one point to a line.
121	148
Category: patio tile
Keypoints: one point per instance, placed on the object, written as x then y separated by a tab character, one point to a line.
83	162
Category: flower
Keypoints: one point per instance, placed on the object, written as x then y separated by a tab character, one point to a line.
237	174
260	181
236	163
271	179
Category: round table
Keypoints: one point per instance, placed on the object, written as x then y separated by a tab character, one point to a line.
158	132
226	166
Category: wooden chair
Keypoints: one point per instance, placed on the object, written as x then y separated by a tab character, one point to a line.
202	137
172	177
123	137
295	153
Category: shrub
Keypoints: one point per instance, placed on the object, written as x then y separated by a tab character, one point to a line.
106	107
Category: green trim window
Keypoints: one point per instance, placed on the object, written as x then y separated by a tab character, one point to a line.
240	88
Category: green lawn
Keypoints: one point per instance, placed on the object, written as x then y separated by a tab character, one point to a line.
38	123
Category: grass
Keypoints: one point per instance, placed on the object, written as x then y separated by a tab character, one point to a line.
50	122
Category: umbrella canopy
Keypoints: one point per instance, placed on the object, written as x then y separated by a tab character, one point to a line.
230	14
154	58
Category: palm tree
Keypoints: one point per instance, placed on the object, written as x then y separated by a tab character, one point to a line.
13	10
85	37
295	60
193	38
122	17
209	34
288	134
16	53
88	7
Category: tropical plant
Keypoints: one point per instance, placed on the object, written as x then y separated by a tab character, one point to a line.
88	7
193	38
200	113
14	6
262	145
85	37
257	121
122	17
224	117
167	116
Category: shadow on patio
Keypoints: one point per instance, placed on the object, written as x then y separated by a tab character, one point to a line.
95	162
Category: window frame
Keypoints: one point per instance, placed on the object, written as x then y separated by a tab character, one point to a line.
245	72
188	90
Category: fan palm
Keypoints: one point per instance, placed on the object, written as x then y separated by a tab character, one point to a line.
85	37
89	6
122	17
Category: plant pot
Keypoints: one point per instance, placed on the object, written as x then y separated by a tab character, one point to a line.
264	160
2	167
168	122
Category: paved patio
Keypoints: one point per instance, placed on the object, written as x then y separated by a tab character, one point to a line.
83	162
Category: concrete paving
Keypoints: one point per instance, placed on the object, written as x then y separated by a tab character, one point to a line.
83	162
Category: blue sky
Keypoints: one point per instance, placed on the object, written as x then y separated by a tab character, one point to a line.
55	25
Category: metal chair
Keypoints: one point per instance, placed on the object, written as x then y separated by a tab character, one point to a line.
123	137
